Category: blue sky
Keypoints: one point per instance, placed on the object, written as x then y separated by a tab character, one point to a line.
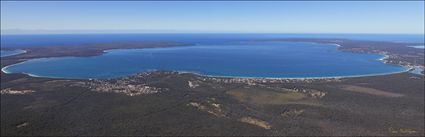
238	16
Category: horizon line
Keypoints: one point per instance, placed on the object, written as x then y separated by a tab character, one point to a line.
89	33
159	31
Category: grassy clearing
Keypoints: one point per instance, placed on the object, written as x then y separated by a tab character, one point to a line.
264	96
370	91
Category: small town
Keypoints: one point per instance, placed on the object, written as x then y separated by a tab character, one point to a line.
122	87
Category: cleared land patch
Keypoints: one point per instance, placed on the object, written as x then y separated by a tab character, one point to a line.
264	96
256	122
370	91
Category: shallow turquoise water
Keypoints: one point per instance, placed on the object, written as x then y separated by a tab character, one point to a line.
419	47
5	53
274	60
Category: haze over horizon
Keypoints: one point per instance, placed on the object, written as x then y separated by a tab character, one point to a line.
212	17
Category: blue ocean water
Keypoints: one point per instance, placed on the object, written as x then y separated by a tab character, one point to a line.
14	41
266	59
5	53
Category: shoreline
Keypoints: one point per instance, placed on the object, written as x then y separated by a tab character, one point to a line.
385	57
214	76
18	52
418	47
299	78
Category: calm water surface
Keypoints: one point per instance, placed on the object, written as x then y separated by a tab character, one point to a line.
275	60
13	41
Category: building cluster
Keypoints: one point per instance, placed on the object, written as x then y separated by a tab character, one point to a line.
122	86
255	81
137	84
392	58
16	92
143	77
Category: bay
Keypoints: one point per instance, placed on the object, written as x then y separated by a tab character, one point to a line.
261	60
